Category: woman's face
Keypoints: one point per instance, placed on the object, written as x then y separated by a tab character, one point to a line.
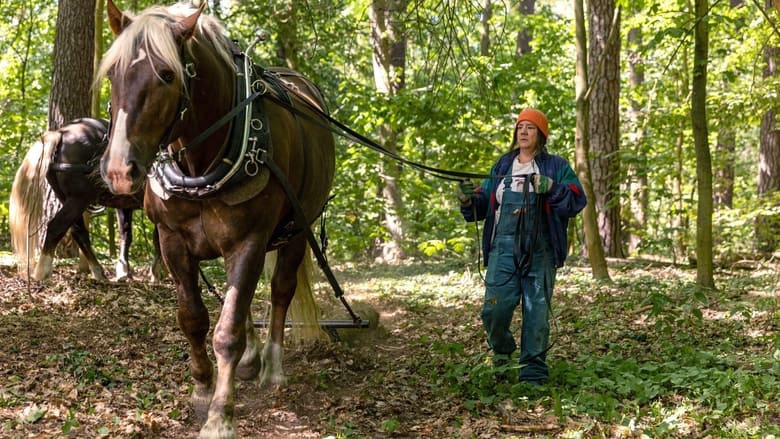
527	135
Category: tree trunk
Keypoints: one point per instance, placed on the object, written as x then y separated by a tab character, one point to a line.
768	162
604	126
288	46
71	82
598	263
638	196
766	226
74	48
97	54
484	40
388	42
725	148
678	220
704	259
524	37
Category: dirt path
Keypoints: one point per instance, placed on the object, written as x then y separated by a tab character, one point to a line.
88	359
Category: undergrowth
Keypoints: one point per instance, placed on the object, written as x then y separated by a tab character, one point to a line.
648	354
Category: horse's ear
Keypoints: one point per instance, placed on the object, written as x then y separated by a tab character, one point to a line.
184	29
117	19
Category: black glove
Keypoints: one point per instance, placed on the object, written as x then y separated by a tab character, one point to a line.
466	190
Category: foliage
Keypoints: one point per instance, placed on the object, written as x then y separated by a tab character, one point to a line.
25	54
646	356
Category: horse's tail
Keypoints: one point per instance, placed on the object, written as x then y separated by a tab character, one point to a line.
25	209
303	309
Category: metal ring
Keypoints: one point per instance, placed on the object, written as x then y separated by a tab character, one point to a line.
256	124
251	168
259	86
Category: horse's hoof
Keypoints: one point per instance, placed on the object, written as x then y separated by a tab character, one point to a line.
251	362
43	268
99	276
122	272
248	372
157	275
272	379
218	428
201	399
40	277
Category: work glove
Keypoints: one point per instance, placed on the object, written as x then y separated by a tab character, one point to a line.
542	183
466	190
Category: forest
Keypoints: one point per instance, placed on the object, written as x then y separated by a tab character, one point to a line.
666	313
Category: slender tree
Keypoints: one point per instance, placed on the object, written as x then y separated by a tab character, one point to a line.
74	48
638	198
704	267
71	80
388	42
484	36
287	44
604	122
524	37
598	263
679	220
725	147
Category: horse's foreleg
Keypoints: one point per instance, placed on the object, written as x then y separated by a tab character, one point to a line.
193	318
283	284
194	322
230	337
124	219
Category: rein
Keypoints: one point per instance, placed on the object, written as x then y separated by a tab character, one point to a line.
348	133
444	174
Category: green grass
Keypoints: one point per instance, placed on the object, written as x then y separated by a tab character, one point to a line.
647	353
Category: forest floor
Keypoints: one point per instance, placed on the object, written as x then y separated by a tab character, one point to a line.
644	356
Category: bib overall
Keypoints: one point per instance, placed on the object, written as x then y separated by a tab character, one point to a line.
520	271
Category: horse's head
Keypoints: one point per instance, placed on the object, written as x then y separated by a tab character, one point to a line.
148	86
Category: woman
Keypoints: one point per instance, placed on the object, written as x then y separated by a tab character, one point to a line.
526	206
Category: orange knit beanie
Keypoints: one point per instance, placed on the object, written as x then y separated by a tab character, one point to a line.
536	117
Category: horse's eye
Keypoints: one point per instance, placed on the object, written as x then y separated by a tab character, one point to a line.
167	76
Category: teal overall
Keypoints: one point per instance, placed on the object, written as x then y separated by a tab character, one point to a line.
520	270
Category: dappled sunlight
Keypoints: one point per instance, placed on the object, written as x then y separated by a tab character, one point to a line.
629	358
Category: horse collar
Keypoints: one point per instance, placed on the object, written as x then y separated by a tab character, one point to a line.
248	141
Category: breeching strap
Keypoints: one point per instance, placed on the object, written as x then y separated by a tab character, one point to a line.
300	219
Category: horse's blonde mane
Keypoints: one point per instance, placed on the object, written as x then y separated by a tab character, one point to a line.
150	31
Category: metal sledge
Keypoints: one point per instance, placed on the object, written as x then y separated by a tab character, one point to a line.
329	326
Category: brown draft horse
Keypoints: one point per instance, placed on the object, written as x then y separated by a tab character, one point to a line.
67	159
173	75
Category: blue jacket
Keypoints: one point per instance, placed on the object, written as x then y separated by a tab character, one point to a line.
564	200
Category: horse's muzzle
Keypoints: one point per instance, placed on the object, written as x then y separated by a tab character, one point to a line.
123	178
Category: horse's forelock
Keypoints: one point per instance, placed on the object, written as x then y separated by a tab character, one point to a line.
150	31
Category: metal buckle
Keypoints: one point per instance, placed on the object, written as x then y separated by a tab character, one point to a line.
189	70
256	124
